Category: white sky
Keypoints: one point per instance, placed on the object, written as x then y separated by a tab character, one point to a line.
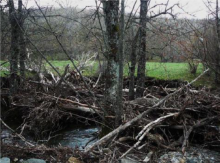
193	7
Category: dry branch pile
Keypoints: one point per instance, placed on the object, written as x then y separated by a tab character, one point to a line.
184	118
187	120
44	107
166	119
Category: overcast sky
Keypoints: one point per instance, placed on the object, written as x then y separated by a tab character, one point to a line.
193	7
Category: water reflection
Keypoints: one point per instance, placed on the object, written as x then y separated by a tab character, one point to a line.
76	137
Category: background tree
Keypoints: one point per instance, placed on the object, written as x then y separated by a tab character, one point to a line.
217	72
142	49
121	67
14	52
145	18
22	44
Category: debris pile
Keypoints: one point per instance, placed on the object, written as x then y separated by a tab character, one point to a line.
165	119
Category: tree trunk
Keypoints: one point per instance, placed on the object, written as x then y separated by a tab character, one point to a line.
22	51
217	71
132	67
119	110
112	71
14	48
142	52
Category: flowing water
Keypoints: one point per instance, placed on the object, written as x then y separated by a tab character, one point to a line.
74	136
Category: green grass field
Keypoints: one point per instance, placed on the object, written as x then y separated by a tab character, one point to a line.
165	71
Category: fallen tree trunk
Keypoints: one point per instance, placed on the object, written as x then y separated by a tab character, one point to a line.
74	108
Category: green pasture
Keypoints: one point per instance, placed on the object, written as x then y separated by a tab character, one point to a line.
165	71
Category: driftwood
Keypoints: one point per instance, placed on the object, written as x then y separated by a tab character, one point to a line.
146	130
142	101
137	118
74	108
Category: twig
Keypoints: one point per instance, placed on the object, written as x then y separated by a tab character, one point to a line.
97	80
68	100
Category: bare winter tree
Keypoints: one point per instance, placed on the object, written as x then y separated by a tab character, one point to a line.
14	53
145	17
121	66
17	45
209	40
22	44
132	66
217	76
142	49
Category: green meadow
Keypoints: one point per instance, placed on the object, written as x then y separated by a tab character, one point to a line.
164	71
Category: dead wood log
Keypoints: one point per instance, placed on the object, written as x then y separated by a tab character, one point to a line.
118	130
53	77
74	108
142	101
134	120
146	130
41	83
124	139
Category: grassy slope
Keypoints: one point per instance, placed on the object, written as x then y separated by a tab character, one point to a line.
166	71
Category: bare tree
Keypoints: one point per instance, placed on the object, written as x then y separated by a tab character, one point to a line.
217	76
146	16
132	66
121	66
14	52
22	44
142	49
